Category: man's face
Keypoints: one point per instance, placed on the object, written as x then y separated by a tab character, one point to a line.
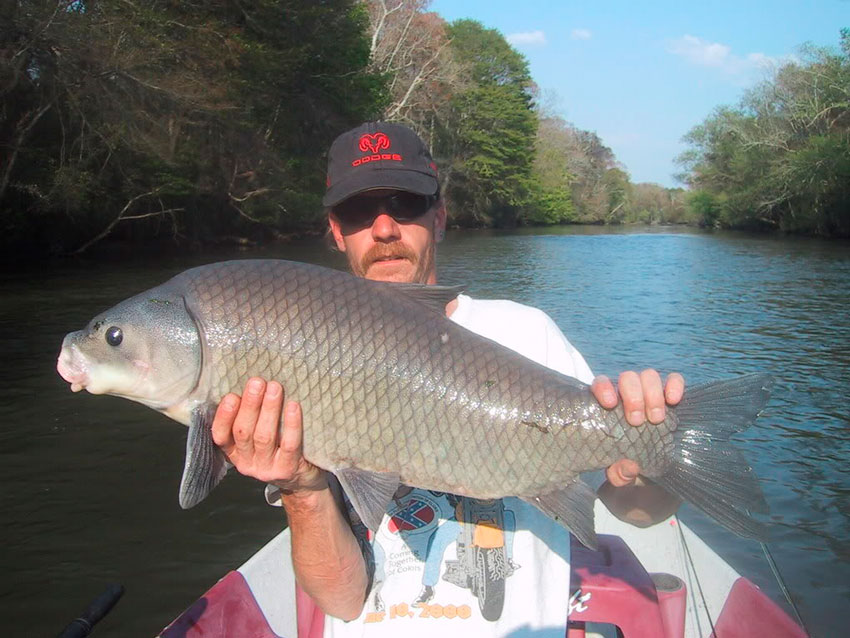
388	247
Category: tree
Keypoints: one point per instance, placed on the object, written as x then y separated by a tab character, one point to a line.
618	187
654	204
591	190
552	201
781	158
410	47
490	131
139	110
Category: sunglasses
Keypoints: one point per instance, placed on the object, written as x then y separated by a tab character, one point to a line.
361	211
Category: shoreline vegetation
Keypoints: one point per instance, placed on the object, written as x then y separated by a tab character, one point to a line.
205	123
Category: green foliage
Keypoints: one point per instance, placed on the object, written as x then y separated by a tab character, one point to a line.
551	200
654	204
489	58
618	188
493	152
549	205
821	169
489	134
781	158
706	207
219	113
155	119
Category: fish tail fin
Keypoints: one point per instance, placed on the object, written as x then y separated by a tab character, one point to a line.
706	469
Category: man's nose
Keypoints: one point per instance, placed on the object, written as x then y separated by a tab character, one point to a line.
385	228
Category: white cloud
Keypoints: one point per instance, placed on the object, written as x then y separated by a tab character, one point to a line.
718	56
761	61
529	38
580	34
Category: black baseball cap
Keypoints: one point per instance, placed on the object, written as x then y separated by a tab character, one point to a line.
379	155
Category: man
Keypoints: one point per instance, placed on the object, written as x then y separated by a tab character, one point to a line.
386	215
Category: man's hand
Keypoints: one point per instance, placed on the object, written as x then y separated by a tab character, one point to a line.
248	431
643	503
644	399
326	558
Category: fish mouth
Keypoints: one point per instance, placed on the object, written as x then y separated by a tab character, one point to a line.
69	369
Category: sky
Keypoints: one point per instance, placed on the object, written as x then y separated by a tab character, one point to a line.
642	74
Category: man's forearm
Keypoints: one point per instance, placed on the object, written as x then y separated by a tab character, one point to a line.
327	559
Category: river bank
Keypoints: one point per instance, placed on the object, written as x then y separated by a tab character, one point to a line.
112	250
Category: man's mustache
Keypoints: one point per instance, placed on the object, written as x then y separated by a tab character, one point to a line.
395	250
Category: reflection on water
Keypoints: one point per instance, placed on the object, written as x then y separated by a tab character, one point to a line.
90	483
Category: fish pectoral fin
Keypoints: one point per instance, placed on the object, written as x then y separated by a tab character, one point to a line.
572	506
205	463
369	493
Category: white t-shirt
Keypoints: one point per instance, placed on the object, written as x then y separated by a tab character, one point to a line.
449	566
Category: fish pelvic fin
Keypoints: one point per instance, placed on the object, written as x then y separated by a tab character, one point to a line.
205	463
706	469
572	506
369	492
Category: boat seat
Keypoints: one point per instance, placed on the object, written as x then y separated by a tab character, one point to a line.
227	609
748	612
612	587
610	584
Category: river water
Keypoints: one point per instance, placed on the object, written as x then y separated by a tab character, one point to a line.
90	483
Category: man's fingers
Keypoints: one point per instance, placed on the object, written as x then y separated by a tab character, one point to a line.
290	440
288	455
268	422
653	396
249	412
674	389
631	393
222	426
604	391
622	472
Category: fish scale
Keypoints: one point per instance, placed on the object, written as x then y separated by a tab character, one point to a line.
393	391
411	369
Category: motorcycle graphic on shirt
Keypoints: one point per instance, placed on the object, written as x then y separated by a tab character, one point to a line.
484	553
429	523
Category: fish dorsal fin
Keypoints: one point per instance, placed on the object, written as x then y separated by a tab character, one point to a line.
205	463
369	493
572	506
435	297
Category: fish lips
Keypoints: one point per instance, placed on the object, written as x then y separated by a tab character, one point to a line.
71	366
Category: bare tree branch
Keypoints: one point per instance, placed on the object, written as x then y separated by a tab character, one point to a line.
122	216
18	140
378	27
423	72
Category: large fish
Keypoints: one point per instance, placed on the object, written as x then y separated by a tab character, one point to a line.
394	392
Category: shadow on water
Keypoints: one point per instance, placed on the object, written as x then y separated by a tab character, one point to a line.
90	483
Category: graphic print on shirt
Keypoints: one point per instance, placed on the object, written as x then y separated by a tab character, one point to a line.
429	524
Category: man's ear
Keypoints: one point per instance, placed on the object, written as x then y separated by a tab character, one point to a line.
440	221
336	232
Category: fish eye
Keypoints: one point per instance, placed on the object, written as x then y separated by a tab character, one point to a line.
114	336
